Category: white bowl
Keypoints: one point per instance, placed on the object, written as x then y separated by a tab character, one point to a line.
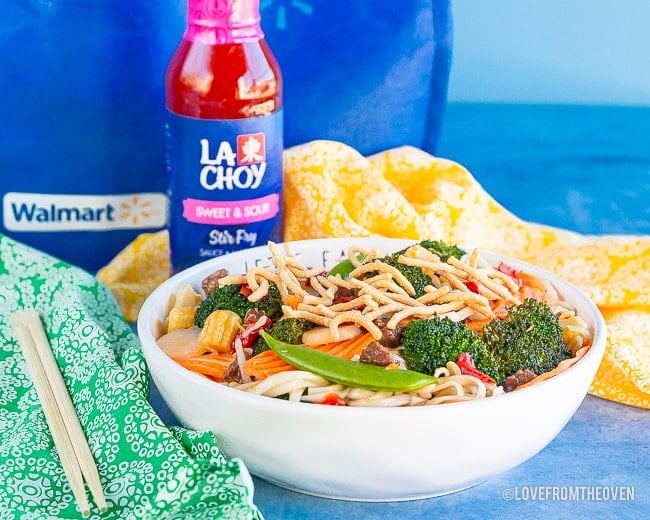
371	454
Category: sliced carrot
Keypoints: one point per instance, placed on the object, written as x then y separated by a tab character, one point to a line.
530	280
355	347
265	364
561	367
212	365
532	287
500	308
292	301
268	362
477	325
334	348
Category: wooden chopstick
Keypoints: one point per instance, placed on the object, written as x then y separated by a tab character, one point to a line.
69	438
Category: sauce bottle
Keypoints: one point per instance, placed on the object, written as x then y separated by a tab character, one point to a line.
223	92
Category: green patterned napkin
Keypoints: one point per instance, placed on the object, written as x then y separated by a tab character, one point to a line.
148	470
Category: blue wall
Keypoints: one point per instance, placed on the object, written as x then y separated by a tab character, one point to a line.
553	97
546	51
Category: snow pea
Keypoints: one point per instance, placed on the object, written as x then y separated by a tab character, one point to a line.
345	372
345	267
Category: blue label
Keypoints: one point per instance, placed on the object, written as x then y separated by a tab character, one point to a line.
225	187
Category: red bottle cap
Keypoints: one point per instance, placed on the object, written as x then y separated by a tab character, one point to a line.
215	22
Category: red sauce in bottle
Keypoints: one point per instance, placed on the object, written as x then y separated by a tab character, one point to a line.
205	81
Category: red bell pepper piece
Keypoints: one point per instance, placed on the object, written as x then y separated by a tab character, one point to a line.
510	271
472	286
333	399
322	273
245	290
251	331
466	365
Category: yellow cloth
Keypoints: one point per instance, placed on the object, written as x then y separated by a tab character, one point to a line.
333	191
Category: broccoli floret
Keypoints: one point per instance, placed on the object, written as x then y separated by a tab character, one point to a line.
227	297
230	298
442	249
271	304
288	330
529	337
430	343
418	278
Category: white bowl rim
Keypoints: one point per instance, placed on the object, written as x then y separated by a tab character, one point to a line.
144	330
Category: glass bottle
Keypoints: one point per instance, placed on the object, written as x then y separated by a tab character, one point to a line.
223	93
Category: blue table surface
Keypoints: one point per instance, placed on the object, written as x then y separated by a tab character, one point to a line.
584	168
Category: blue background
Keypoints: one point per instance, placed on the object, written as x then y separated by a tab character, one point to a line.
549	109
552	51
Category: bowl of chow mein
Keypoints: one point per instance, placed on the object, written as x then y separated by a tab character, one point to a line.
369	368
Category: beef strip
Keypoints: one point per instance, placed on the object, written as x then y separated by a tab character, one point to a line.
389	337
375	354
232	373
520	377
211	282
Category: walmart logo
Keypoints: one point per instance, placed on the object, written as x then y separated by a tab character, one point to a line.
280	8
46	212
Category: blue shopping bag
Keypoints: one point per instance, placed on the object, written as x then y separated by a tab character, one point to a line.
82	145
370	73
82	166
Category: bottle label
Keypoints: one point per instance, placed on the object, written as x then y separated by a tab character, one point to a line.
225	185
